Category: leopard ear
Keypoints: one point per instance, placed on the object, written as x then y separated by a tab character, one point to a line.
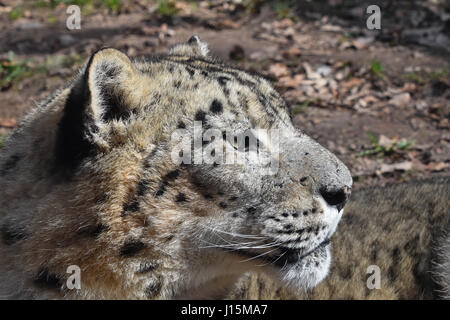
103	93
194	47
109	76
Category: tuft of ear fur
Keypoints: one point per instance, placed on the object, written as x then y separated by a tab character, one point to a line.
109	73
194	47
97	97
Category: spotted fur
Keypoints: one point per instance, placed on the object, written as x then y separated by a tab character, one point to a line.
402	229
100	191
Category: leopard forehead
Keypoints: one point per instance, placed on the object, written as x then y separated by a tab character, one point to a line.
198	88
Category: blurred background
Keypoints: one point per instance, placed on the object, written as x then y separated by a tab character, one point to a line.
379	99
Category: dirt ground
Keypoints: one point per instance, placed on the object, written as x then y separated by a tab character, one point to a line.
378	99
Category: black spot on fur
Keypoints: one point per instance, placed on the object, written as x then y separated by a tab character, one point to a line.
181	197
177	84
92	231
46	279
181	125
142	187
133	206
162	189
393	269
223	205
374	255
392	273
173	174
10	164
190	71
233	198
208	196
216	106
200	115
10	235
145	267
131	248
411	246
204	73
153	289
287	232
251	210
223	80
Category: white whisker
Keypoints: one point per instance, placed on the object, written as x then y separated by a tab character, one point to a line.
272	262
258	256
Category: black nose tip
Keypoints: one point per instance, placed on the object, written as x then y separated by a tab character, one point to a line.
337	198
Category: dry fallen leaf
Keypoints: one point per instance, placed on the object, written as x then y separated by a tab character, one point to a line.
437	166
362	43
384	141
291	53
8	123
291	82
400	100
310	74
279	70
352	83
400	166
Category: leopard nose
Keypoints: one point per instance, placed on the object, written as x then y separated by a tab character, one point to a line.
336	197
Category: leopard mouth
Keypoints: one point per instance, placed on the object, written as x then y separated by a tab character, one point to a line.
296	255
286	255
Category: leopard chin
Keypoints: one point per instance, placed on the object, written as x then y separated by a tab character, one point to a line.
308	270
